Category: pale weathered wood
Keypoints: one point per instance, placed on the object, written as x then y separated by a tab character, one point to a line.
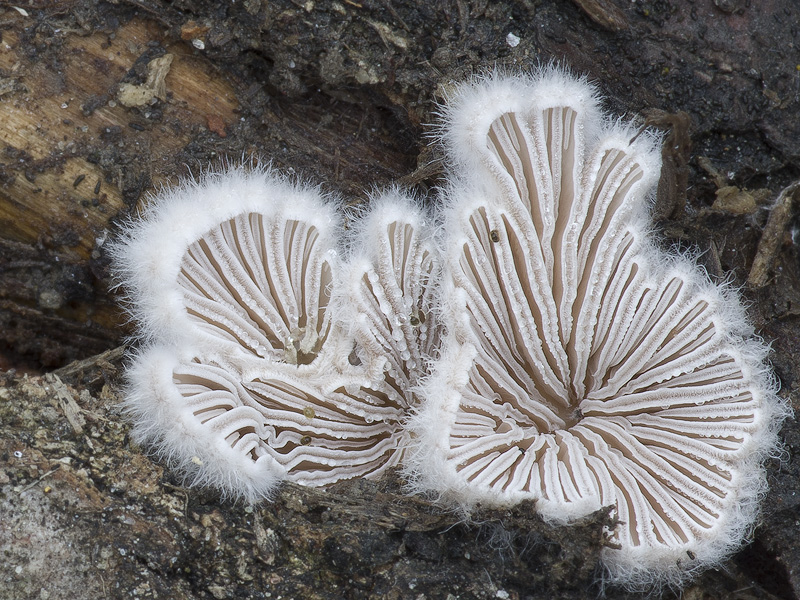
74	158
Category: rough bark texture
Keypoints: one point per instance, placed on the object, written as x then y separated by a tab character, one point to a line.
342	93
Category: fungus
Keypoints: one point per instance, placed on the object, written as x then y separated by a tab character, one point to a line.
392	277
236	284
551	351
582	366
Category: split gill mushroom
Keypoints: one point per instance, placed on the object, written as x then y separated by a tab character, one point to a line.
252	367
584	367
529	341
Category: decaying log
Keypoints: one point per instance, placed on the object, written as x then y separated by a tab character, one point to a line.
102	102
74	158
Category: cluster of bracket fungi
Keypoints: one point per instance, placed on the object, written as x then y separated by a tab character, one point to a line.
527	340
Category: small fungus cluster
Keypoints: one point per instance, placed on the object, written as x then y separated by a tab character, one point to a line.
527	341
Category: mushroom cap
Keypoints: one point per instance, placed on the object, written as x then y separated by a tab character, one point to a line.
583	367
244	378
244	435
392	272
238	260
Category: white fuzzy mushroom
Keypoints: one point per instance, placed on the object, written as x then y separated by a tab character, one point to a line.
246	375
238	263
582	366
392	273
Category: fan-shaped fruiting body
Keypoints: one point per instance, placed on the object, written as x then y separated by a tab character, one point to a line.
253	368
582	366
542	347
